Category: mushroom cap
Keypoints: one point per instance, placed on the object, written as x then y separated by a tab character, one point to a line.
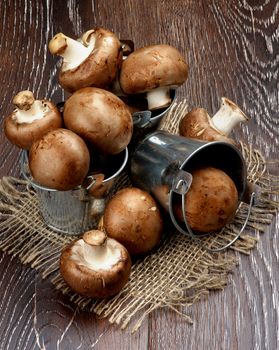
59	160
211	201
85	280
24	134
196	124
152	66
100	68
100	118
24	100
133	218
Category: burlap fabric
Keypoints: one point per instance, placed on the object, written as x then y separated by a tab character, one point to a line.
176	275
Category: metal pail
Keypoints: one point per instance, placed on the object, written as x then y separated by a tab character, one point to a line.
162	163
73	212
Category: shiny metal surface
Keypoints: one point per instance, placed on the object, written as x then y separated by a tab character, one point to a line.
72	212
163	160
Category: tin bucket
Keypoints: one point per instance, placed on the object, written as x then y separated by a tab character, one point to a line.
75	211
162	163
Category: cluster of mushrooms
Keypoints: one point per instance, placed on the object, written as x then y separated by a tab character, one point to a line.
104	76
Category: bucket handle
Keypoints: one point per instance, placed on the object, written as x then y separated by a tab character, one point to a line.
141	119
182	187
89	181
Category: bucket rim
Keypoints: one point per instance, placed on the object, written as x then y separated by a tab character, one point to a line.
207	144
172	192
213	143
35	184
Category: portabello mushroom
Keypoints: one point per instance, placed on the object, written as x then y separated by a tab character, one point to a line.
100	118
92	60
198	124
211	201
153	70
133	218
59	160
95	266
31	119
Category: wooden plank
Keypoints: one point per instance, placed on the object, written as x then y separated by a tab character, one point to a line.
232	49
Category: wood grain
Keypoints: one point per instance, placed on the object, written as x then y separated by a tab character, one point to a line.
232	48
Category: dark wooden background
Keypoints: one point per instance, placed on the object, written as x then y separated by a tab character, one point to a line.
232	48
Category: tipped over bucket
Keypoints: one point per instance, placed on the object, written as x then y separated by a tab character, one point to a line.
162	165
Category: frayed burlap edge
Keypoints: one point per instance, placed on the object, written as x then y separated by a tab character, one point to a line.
177	274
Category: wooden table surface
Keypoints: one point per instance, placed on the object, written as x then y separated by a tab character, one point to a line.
232	48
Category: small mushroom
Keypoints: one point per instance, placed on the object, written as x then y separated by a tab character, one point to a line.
100	118
30	120
95	266
92	60
100	187
198	124
211	201
133	218
153	70
59	160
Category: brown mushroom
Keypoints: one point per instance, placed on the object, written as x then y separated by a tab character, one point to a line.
133	218
211	201
100	118
198	124
30	120
153	70
95	266
162	194
59	160
92	60
100	187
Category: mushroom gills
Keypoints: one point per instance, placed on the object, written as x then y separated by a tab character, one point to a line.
36	111
101	257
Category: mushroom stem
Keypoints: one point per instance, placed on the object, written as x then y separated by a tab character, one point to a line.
97	254
116	88
158	98
28	109
95	238
228	116
24	100
73	52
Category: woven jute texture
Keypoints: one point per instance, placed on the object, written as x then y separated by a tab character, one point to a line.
175	275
